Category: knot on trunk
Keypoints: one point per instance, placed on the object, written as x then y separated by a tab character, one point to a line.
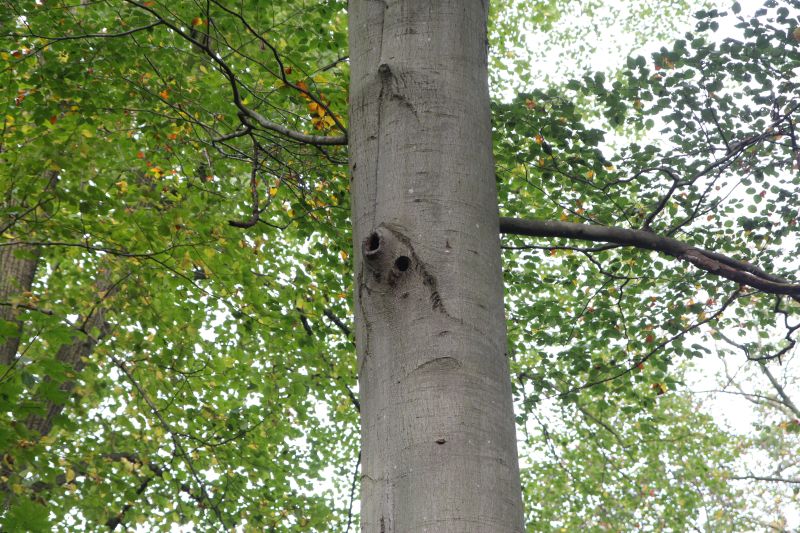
386	257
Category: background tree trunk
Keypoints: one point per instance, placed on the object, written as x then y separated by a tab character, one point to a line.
18	264
438	435
17	271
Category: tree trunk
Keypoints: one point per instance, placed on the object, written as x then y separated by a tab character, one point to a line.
17	271
18	265
75	353
438	435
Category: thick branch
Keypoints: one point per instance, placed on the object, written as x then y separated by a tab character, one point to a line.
715	263
319	140
767	478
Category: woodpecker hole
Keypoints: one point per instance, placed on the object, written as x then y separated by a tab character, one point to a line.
372	244
402	263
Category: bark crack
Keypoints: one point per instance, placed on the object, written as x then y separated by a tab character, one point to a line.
378	130
362	286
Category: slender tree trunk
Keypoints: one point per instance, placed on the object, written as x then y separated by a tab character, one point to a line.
17	271
18	265
75	354
438	435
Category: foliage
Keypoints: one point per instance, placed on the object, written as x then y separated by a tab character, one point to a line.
246	421
771	441
525	37
154	160
603	325
605	467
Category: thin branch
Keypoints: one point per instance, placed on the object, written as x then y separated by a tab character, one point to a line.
110	251
658	347
784	398
234	83
27	307
281	69
255	211
53	40
175	440
339	324
353	493
339	379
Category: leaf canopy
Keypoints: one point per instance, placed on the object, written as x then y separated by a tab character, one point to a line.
176	171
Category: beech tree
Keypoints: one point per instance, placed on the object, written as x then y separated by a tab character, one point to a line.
253	262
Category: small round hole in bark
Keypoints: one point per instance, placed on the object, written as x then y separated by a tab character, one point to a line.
402	263
372	243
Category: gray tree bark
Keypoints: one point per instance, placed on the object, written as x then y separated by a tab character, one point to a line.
18	264
17	271
438	435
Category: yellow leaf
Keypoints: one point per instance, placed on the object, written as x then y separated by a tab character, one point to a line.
69	475
87	133
197	21
4	55
122	186
343	255
127	465
273	191
203	69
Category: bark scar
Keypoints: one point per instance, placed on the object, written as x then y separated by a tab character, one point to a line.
428	279
391	85
439	364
